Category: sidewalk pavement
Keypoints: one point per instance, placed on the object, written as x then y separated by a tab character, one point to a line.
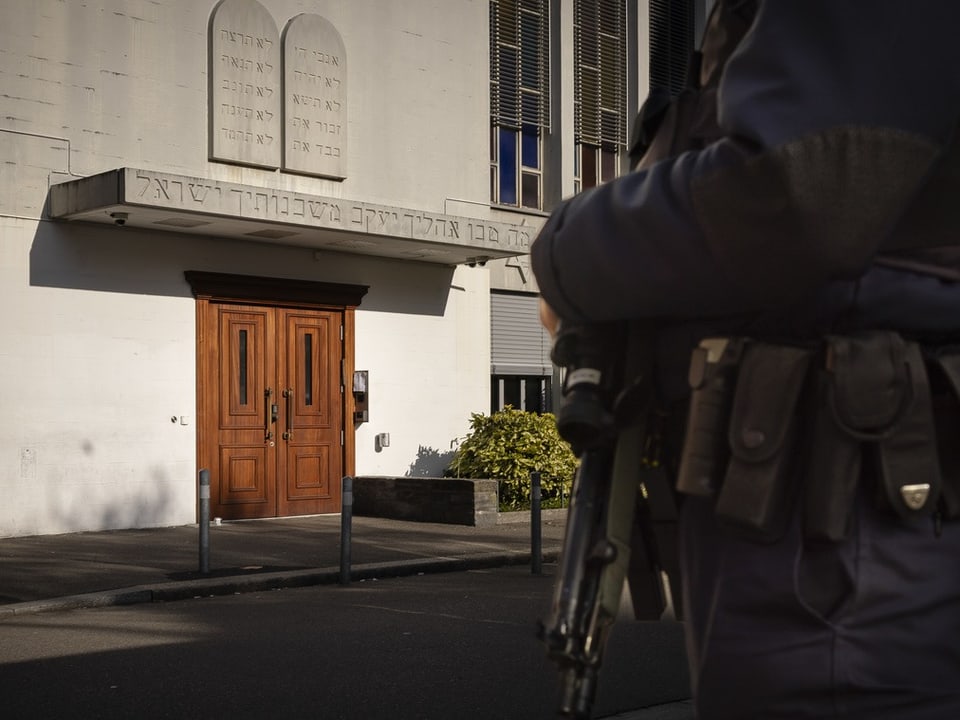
121	567
117	567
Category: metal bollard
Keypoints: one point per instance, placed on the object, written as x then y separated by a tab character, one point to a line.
346	518
536	554
204	522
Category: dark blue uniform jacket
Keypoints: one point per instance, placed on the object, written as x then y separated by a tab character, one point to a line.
835	116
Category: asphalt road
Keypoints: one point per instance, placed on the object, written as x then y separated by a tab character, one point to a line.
457	645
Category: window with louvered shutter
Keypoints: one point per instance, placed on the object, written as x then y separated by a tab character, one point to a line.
519	99
520	63
672	27
521	369
600	89
601	72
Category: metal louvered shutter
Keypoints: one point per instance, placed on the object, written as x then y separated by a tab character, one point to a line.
518	343
672	29
600	65
520	63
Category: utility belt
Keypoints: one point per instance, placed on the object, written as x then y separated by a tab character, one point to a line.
773	425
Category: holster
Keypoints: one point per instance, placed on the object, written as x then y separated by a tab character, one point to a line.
872	403
763	436
714	366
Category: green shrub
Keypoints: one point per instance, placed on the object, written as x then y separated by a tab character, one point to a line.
510	444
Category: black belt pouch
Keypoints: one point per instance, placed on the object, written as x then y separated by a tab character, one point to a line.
712	376
763	435
908	462
833	465
873	400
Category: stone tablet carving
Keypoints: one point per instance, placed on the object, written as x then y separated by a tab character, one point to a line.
245	97
315	98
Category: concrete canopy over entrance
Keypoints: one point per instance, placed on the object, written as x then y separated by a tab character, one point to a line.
164	201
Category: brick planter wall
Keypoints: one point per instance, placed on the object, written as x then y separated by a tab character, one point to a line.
457	501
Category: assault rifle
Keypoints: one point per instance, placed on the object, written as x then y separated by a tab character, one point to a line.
614	531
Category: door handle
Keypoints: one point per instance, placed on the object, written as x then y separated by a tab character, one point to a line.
269	413
288	433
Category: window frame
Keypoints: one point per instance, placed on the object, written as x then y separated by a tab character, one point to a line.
601	69
519	101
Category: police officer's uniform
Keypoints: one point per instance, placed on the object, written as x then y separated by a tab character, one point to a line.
822	226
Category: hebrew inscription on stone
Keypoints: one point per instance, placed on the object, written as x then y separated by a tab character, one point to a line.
245	74
315	98
147	188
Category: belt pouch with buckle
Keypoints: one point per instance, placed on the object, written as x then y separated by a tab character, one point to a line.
879	396
713	372
763	435
833	465
909	465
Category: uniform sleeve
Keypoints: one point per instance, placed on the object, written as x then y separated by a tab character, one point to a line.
831	121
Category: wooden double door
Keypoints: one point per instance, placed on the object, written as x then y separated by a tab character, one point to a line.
271	398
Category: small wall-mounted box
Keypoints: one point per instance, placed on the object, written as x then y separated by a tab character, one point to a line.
361	397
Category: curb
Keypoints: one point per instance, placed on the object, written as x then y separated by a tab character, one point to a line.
236	584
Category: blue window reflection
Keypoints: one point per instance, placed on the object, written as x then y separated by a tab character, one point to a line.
530	147
508	166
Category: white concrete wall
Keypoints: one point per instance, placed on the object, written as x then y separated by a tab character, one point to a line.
97	356
125	82
424	402
97	333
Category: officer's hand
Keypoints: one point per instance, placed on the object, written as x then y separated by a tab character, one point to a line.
548	318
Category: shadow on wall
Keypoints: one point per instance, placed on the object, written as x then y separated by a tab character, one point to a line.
90	256
430	462
147	502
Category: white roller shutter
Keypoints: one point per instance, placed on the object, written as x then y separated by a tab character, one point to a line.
518	343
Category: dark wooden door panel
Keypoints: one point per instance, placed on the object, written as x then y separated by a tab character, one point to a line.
243	480
272	409
310	476
243	365
310	462
246	433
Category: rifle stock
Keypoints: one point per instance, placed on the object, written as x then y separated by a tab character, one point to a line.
604	419
594	565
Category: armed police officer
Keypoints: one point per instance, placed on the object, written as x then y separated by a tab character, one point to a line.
803	262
